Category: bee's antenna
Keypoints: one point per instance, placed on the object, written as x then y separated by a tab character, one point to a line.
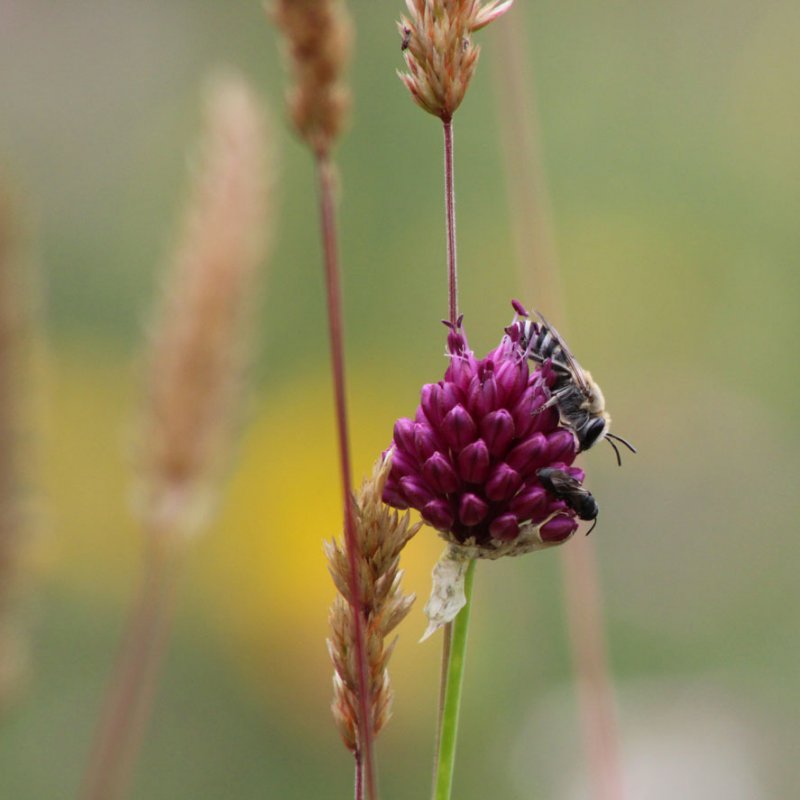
592	528
624	441
616	451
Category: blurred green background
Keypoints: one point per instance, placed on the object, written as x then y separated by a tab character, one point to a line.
670	133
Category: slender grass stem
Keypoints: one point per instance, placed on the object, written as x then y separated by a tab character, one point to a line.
450	213
129	699
590	658
358	790
526	180
451	703
365	762
539	276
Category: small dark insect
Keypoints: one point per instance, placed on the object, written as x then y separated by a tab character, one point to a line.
576	395
563	486
406	38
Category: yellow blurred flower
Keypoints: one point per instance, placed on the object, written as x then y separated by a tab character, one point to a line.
259	577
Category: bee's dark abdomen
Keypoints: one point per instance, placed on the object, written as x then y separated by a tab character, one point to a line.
539	344
585	506
563	486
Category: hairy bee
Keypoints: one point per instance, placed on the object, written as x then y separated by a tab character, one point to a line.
563	486
576	395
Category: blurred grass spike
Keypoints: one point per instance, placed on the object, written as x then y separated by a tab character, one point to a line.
199	343
318	35
382	534
193	384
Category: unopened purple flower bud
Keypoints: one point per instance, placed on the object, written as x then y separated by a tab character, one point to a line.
403	464
451	396
393	495
459	428
498	430
530	455
439	474
460	373
503	483
561	446
511	379
504	528
524	414
472	509
430	403
438	514
456	342
416	492
426	442
482	392
531	504
558	529
473	462
404	435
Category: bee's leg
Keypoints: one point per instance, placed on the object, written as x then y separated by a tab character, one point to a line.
549	404
552	400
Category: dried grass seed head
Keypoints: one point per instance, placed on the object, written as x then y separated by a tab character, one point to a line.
319	38
438	49
198	342
382	533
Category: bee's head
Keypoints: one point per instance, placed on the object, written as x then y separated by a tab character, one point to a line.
594	430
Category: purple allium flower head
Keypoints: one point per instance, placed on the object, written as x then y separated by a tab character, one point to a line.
468	461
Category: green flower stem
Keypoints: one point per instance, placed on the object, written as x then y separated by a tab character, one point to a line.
451	689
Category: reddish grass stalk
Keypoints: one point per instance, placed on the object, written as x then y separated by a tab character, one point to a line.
18	334
133	683
537	264
450	211
359	778
365	761
589	653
